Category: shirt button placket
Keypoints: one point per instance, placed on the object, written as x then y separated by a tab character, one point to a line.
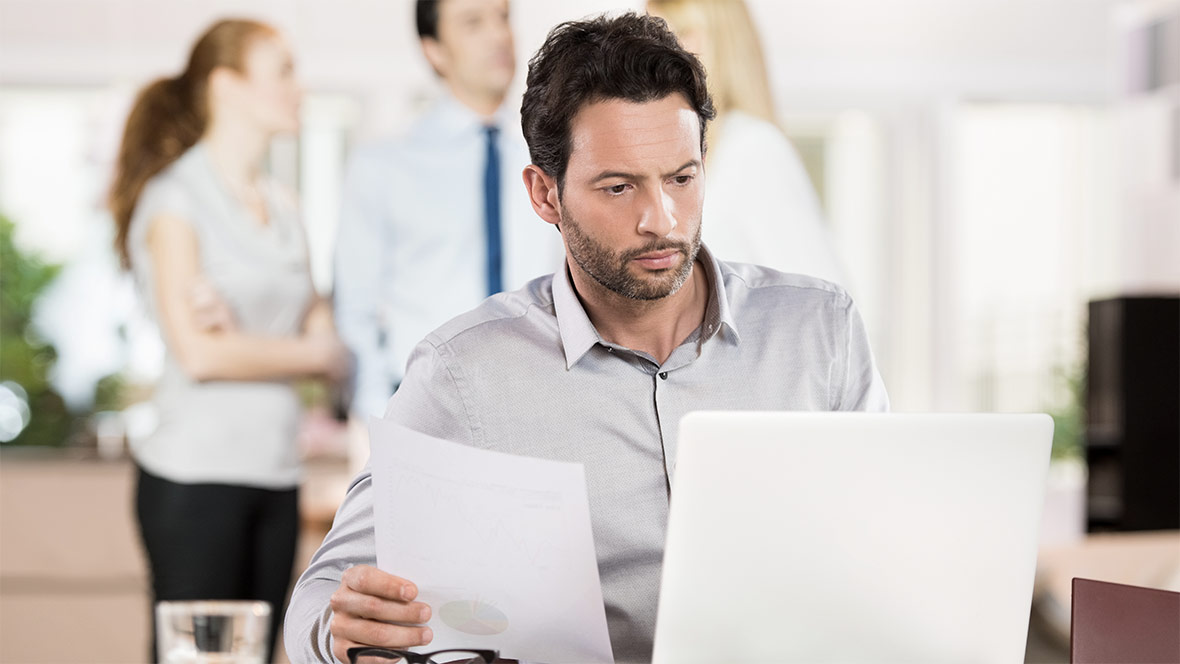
659	398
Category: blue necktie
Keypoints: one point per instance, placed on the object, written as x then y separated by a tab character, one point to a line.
491	209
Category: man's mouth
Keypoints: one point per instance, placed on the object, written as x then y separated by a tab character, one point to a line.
658	260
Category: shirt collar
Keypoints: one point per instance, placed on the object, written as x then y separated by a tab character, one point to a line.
578	335
718	313
453	117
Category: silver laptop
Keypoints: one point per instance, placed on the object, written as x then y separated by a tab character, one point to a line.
852	537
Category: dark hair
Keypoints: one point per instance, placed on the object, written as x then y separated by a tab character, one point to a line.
169	117
631	56
426	17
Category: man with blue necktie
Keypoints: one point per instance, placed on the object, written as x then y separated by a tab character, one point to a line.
426	231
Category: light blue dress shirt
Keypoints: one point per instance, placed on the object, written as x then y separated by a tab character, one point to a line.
411	250
527	373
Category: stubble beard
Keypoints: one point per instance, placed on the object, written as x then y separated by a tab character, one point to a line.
612	269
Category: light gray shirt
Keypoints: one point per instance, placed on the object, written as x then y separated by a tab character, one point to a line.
228	432
527	373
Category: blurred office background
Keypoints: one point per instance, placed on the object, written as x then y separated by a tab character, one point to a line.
988	168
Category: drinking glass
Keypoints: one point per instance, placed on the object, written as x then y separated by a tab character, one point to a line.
212	632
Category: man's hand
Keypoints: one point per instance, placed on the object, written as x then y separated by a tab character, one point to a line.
374	608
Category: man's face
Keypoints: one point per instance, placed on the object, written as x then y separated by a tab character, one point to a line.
631	203
474	46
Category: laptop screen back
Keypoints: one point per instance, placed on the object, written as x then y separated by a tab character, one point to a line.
837	537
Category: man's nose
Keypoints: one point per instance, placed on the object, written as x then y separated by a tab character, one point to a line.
658	215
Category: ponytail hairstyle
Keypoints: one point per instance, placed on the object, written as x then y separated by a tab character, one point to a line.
170	116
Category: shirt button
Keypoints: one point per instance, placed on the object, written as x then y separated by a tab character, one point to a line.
664	375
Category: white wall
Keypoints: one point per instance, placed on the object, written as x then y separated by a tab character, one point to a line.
367	48
882	81
841	52
821	51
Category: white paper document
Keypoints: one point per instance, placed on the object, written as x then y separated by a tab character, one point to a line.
500	546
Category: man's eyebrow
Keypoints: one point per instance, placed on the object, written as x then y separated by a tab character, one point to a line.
605	175
688	164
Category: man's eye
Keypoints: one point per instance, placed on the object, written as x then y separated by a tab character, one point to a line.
682	179
617	189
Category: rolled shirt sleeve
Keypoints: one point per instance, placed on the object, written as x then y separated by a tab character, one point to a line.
428	401
349	543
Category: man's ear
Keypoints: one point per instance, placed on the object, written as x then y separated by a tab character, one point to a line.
435	54
542	189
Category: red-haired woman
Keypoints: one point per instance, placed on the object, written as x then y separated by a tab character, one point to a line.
220	257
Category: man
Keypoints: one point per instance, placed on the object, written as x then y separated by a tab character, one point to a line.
597	363
433	206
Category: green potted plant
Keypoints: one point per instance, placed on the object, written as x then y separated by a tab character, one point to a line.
31	411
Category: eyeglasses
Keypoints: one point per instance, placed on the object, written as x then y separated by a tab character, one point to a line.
436	657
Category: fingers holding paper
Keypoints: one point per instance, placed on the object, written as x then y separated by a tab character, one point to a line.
375	608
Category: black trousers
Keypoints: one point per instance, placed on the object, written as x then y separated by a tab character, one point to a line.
218	541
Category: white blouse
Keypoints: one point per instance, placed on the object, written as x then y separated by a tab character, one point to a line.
760	206
231	432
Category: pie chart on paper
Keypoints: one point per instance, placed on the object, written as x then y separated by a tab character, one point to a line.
473	617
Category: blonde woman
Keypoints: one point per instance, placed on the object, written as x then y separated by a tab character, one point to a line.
219	254
761	207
